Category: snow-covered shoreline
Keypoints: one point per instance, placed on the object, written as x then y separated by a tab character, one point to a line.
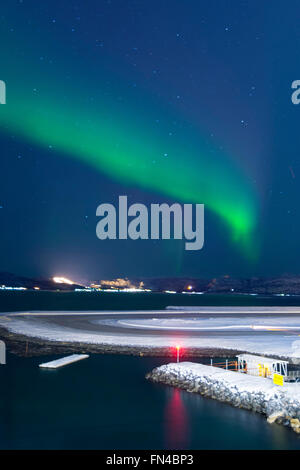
90	330
278	404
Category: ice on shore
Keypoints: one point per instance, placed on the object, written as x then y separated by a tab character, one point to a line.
212	323
283	345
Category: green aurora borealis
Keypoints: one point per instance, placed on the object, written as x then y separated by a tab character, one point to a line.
127	134
131	149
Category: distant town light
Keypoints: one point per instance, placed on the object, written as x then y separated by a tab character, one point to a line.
189	287
62	280
3	287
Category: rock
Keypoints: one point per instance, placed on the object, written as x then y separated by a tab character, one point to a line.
275	416
295	423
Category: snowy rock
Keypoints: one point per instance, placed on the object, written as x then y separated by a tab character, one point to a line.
279	404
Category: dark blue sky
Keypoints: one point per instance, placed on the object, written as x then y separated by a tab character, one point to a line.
210	80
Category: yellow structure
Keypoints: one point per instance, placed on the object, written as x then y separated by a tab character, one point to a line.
278	379
263	370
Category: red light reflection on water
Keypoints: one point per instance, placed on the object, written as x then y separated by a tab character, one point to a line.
176	421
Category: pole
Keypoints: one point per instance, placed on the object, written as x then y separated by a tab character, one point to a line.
177	354
211	362
226	364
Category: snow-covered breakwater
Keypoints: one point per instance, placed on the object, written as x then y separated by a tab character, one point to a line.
278	404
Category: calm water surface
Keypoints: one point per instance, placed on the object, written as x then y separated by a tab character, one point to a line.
105	402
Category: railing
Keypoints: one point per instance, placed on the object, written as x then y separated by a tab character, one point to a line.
228	365
292	375
263	372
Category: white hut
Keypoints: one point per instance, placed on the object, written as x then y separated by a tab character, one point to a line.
261	366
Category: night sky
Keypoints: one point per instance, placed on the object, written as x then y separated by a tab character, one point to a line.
162	101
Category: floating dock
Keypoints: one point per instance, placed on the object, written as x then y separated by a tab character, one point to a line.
64	361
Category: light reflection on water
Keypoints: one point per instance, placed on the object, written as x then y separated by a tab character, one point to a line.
191	418
106	403
176	421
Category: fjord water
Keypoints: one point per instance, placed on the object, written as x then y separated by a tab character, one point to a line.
32	300
105	402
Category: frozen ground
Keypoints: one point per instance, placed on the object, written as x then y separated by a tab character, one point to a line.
213	323
271	333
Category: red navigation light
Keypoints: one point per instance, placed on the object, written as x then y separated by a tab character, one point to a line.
177	351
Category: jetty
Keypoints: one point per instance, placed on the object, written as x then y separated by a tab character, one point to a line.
64	361
280	404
